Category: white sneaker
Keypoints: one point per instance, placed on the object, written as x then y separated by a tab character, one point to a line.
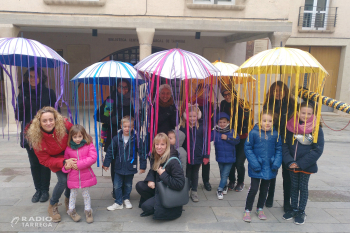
127	204
225	190
115	206
220	195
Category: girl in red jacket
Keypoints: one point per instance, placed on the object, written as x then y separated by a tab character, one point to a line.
80	175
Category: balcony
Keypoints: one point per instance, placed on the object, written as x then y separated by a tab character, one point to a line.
317	19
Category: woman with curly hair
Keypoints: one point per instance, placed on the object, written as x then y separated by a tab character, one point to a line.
48	135
33	95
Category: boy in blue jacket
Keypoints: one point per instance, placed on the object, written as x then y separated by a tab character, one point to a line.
124	149
264	154
225	150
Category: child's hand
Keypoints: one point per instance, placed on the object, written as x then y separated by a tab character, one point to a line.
151	184
223	136
160	170
67	167
105	168
75	167
205	161
293	165
142	171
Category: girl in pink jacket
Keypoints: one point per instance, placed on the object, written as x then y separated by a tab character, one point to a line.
80	175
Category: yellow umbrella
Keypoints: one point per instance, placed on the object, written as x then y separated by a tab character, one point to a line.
292	66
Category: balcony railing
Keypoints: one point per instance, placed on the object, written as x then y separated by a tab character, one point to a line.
317	19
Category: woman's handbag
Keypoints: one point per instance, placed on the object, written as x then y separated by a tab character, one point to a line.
172	198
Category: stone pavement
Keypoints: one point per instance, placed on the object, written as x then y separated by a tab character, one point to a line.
328	209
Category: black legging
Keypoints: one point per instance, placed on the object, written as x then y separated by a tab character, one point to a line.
205	172
255	185
239	165
41	174
147	199
286	189
192	175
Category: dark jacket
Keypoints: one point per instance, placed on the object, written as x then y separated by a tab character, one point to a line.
241	128
225	150
29	103
281	109
264	154
174	178
113	122
305	156
166	119
125	155
197	145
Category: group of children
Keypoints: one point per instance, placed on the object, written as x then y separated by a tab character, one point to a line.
264	150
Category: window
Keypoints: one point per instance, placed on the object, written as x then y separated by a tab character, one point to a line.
315	14
218	2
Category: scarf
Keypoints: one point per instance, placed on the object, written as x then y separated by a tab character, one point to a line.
167	104
222	130
299	128
126	99
75	146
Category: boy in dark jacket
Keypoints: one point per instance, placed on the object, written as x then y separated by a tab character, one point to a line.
124	149
300	155
225	150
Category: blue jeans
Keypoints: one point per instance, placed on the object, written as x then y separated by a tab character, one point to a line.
122	187
60	187
225	169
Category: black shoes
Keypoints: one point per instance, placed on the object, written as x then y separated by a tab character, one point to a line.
36	196
300	218
44	196
207	186
239	187
231	185
145	214
290	215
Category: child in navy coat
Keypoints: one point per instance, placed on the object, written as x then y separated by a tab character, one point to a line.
124	149
225	150
264	154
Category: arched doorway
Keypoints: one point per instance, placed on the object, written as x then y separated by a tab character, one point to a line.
130	55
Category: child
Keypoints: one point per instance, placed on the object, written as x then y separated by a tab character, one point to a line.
124	149
300	155
225	150
177	142
196	153
81	175
264	154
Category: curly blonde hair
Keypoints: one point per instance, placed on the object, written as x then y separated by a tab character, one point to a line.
159	159
34	135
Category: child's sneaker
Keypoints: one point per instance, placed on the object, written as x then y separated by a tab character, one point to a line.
194	196
127	204
289	215
261	214
225	190
239	187
115	206
220	195
246	216
300	218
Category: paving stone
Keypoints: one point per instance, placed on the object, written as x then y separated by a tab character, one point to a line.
282	227
85	227
342	215
154	226
8	201
220	227
332	227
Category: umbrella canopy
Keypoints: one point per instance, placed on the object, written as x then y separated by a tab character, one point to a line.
282	60
177	64
106	73
228	71
27	53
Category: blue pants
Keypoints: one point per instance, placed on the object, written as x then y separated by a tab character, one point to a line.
122	187
60	187
299	191
225	169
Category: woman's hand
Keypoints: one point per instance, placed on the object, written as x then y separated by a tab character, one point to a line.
105	168
151	184
67	167
75	167
70	162
293	165
160	170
